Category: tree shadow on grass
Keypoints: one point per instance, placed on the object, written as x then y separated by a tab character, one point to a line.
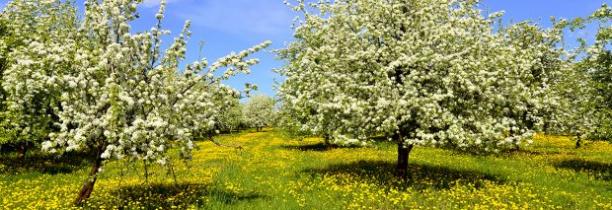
318	147
166	196
421	176
43	163
521	152
596	169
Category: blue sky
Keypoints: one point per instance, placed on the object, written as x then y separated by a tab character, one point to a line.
232	25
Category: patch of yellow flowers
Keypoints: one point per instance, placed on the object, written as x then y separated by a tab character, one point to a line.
295	183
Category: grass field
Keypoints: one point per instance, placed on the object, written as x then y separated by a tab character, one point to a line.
274	172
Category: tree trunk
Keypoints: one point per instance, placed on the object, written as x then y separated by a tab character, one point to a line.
22	149
403	152
88	186
578	142
146	169
327	139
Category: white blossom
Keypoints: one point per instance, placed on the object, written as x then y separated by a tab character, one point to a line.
429	72
116	93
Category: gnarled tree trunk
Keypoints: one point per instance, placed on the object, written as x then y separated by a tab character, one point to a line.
88	185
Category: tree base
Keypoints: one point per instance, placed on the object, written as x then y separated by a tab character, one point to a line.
88	186
403	154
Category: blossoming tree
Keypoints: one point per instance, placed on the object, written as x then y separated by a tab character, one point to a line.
121	95
259	111
598	63
584	99
428	73
553	67
31	49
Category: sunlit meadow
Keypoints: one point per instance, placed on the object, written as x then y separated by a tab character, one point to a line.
396	104
272	171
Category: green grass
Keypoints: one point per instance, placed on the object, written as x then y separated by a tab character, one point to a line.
273	172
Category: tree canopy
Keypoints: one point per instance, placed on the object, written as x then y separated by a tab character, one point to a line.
259	111
429	72
116	94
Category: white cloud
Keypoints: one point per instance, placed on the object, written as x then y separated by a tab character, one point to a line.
261	17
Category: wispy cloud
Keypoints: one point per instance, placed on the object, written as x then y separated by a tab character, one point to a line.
260	17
